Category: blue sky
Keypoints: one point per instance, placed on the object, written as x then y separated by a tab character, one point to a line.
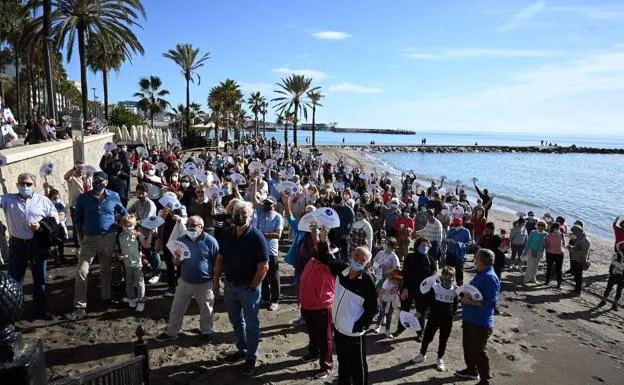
434	65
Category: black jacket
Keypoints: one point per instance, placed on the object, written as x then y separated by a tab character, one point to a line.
48	233
416	268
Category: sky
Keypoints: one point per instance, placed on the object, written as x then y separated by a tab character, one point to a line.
425	65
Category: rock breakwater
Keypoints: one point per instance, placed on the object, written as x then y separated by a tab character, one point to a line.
431	149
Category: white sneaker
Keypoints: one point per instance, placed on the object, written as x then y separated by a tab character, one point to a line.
140	306
419	358
154	280
273	306
388	334
132	303
440	365
377	330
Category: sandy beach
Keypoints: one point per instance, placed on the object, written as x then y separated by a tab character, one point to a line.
543	335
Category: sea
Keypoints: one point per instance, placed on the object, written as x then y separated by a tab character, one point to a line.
589	187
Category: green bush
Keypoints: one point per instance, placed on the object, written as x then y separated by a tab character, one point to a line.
121	116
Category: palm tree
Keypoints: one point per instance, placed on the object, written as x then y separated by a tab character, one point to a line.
16	20
264	109
86	20
314	98
284	118
215	103
187	58
103	56
255	105
293	89
224	99
178	113
151	95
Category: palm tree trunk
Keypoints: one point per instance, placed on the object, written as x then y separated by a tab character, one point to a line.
152	117
314	126
105	87
31	81
84	87
286	156
47	36
295	124
188	103
18	103
264	125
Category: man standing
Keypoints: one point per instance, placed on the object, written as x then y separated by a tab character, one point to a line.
478	319
485	197
23	212
270	223
77	183
434	233
352	312
244	259
195	280
97	229
340	234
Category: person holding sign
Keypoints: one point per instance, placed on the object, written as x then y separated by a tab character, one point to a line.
478	319
197	272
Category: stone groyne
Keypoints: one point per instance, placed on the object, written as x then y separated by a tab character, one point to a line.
432	149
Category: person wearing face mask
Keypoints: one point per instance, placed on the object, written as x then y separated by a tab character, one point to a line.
270	223
457	241
244	259
353	310
196	281
416	267
434	232
186	192
24	211
339	235
391	215
361	233
97	229
404	228
442	302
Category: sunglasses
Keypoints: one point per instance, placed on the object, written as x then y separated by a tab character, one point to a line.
25	184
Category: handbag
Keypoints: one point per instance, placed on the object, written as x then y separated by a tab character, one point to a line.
587	264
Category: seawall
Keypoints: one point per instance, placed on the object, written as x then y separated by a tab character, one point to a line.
431	149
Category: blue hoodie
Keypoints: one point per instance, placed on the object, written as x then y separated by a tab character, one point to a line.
488	284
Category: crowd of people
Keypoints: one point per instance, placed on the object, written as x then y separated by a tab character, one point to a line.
217	220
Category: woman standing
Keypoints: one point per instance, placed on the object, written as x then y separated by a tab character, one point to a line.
554	245
534	251
478	220
361	232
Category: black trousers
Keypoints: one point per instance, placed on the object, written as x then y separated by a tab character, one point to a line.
320	327
444	322
271	282
474	341
173	271
577	273
421	307
351	352
516	251
615	280
556	261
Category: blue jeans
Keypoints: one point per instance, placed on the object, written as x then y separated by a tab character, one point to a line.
155	262
243	307
21	254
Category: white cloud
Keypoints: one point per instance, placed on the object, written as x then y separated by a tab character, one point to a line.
314	74
520	18
262	87
476	53
352	88
567	96
331	35
593	12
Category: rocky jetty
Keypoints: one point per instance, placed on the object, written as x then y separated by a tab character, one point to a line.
431	149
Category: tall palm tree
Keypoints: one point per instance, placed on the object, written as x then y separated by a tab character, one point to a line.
105	55
314	98
293	90
185	56
16	20
85	20
150	96
255	105
286	117
264	108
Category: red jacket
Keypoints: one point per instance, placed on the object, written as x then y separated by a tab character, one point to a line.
317	286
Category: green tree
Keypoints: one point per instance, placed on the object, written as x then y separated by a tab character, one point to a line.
264	108
121	116
314	98
86	20
16	20
224	100
255	105
186	57
294	91
151	96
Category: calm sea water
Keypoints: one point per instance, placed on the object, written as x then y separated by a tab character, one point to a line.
511	139
575	186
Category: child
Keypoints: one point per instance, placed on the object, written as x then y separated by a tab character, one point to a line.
443	302
386	261
131	255
389	300
505	242
616	277
55	196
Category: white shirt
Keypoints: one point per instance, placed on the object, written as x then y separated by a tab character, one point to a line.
21	213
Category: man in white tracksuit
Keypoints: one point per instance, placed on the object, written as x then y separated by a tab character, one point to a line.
355	305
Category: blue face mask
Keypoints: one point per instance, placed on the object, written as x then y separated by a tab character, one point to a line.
355	265
422	249
25	191
98	187
192	234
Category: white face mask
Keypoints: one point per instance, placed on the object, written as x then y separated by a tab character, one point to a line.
174	178
151	172
192	234
129	229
